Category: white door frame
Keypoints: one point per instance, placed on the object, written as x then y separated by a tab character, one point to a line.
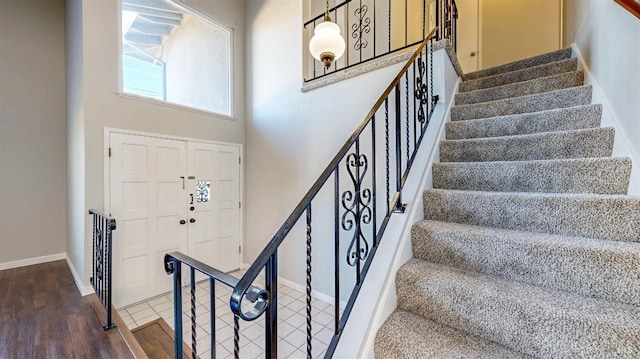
107	180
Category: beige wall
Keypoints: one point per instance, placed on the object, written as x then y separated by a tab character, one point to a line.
102	107
32	129
516	29
608	38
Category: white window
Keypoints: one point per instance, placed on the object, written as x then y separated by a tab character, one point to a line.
173	54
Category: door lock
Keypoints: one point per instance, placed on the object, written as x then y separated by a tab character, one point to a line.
192	220
182	221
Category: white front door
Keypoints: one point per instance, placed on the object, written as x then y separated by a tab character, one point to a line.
147	200
467	35
170	195
214	186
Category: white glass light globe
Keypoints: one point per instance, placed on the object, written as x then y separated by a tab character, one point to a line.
327	43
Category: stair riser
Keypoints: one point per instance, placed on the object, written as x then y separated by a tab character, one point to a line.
546	84
603	176
606	217
522	64
521	75
575	96
565	119
552	145
596	268
524	319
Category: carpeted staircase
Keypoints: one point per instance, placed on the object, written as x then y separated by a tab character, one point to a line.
529	247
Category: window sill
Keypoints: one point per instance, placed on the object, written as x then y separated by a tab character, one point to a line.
175	106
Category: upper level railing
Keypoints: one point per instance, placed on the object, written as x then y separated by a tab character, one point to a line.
101	263
375	28
352	202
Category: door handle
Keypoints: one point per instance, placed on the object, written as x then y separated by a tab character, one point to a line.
192	220
182	221
473	53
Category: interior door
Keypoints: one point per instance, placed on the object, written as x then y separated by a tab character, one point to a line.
467	38
148	201
214	213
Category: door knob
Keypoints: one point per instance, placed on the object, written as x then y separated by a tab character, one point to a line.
182	221
473	53
192	220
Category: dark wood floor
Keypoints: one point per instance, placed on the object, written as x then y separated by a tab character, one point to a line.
42	315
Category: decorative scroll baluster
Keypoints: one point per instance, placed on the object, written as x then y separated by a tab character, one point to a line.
309	282
361	26
421	93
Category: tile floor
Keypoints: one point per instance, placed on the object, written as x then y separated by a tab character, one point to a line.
291	322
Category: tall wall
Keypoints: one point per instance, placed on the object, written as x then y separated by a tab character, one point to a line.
32	129
607	37
102	106
291	136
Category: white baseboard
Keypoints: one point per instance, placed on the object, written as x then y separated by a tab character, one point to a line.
300	288
32	261
84	290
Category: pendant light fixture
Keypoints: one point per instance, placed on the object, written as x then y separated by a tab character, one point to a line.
327	44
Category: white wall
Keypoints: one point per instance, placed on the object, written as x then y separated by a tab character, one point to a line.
32	129
607	37
292	136
102	107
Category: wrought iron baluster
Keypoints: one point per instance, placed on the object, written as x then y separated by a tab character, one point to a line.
194	341
336	249
212	316
406	112
374	234
177	307
271	318
386	141
236	337
309	282
398	206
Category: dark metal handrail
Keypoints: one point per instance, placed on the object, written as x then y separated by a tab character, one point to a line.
173	266
101	269
268	257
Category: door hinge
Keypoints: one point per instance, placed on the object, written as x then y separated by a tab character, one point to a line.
239	204
109	152
239	160
239	249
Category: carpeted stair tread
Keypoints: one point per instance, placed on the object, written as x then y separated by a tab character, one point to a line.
584	175
570	97
521	64
591	267
407	335
562	119
526	74
535	86
537	321
593	142
611	217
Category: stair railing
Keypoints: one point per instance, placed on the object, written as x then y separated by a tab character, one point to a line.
101	268
376	28
366	179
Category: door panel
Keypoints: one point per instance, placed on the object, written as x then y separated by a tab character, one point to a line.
147	200
467	38
214	237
